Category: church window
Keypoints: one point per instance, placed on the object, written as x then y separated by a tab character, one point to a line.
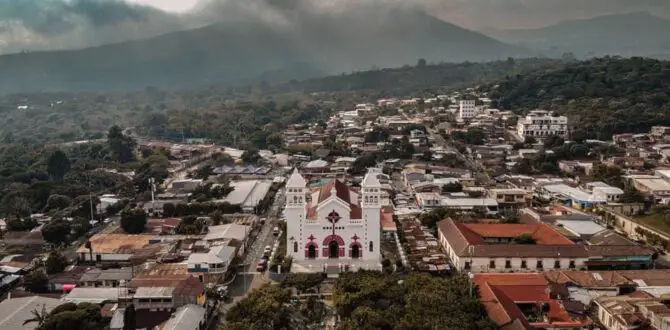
295	247
371	246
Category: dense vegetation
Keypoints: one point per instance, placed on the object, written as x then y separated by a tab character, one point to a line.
242	116
372	300
601	96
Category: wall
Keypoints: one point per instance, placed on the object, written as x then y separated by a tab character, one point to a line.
626	224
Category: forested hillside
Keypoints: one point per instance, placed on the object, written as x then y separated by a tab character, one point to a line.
601	96
240	116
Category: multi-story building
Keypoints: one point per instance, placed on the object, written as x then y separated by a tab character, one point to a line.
541	123
333	228
467	109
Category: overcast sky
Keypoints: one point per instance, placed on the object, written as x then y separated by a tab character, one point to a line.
477	14
169	5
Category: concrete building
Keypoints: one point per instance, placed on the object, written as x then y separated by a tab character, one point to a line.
604	191
211	266
467	109
541	123
333	228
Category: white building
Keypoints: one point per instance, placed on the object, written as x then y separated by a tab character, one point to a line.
541	123
467	109
604	191
332	228
483	247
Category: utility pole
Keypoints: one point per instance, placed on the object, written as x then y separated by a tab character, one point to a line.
152	184
90	197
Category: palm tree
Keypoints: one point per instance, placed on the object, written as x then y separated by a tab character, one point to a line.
38	316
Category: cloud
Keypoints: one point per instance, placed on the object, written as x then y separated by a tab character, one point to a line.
62	24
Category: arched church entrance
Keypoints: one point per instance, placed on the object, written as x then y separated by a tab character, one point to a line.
333	249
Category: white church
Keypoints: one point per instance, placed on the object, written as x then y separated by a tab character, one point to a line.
333	226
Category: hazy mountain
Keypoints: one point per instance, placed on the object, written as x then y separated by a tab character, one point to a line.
637	33
248	51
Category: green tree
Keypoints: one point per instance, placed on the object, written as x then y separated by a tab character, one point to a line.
452	187
264	307
56	263
57	231
36	281
57	202
133	221
525	239
120	145
39	316
251	156
169	210
58	165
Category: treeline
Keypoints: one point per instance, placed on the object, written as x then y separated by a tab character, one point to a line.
601	96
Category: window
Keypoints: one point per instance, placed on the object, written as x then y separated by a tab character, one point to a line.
467	265
295	247
197	266
572	264
523	264
539	264
557	264
371	247
508	264
492	263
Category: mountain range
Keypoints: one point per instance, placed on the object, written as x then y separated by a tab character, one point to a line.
251	51
630	34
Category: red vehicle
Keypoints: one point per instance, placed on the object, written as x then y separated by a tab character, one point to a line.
262	265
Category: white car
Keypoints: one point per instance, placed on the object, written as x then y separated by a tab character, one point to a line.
268	249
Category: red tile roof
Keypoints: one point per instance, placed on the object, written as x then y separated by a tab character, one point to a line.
542	233
387	222
500	294
341	190
549	242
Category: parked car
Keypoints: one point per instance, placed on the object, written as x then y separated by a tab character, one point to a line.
275	231
262	265
267	249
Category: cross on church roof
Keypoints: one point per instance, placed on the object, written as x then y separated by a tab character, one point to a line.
333	217
311	237
355	237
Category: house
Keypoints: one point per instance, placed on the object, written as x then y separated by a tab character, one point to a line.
233	234
602	190
575	167
651	185
541	123
510	198
212	265
574	197
636	310
482	247
106	278
529	301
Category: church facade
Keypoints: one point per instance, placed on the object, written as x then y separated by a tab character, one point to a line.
334	225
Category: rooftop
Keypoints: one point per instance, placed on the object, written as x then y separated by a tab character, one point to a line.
14	312
227	232
116	243
510	298
471	240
